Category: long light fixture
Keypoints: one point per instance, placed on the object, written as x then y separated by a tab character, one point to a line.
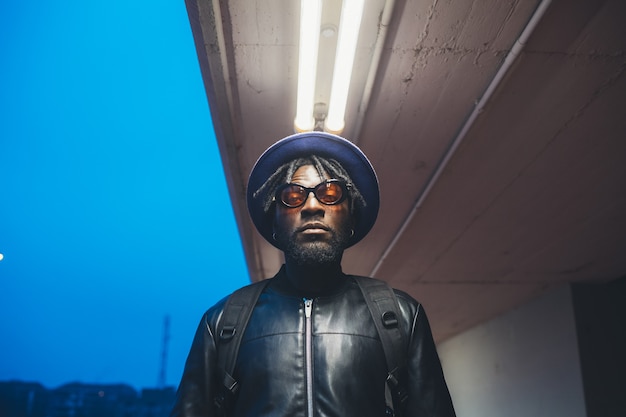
349	25
310	21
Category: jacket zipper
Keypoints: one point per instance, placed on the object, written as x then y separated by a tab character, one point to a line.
308	346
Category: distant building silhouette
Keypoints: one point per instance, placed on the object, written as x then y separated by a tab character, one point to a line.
27	399
23	399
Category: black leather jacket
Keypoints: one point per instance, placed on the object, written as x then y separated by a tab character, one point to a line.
348	371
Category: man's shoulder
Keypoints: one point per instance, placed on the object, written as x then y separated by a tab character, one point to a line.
401	296
247	292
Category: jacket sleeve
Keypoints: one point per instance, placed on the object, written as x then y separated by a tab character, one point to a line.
196	391
427	389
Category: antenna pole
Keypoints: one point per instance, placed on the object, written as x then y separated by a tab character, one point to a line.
166	337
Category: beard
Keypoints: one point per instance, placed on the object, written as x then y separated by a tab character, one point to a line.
315	253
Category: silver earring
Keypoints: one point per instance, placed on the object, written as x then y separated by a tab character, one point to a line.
274	235
351	232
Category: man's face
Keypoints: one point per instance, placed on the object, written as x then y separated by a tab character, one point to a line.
313	234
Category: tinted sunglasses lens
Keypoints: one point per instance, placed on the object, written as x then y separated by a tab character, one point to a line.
293	195
329	192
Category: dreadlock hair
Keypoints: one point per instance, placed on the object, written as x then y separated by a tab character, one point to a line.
324	166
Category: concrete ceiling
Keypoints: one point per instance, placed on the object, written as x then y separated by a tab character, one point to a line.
501	174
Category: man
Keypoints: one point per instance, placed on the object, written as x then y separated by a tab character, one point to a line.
312	346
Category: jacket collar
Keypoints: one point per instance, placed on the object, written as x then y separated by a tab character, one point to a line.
329	285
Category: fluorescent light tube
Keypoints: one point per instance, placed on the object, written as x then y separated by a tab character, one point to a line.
350	23
310	22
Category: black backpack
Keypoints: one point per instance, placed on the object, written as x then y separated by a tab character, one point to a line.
383	306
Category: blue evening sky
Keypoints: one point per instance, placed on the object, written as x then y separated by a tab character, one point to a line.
113	206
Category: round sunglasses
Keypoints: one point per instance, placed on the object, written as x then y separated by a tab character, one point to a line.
329	192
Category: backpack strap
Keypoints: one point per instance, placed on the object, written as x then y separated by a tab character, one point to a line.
383	305
230	330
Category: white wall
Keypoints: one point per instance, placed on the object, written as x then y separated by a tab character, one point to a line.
523	363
